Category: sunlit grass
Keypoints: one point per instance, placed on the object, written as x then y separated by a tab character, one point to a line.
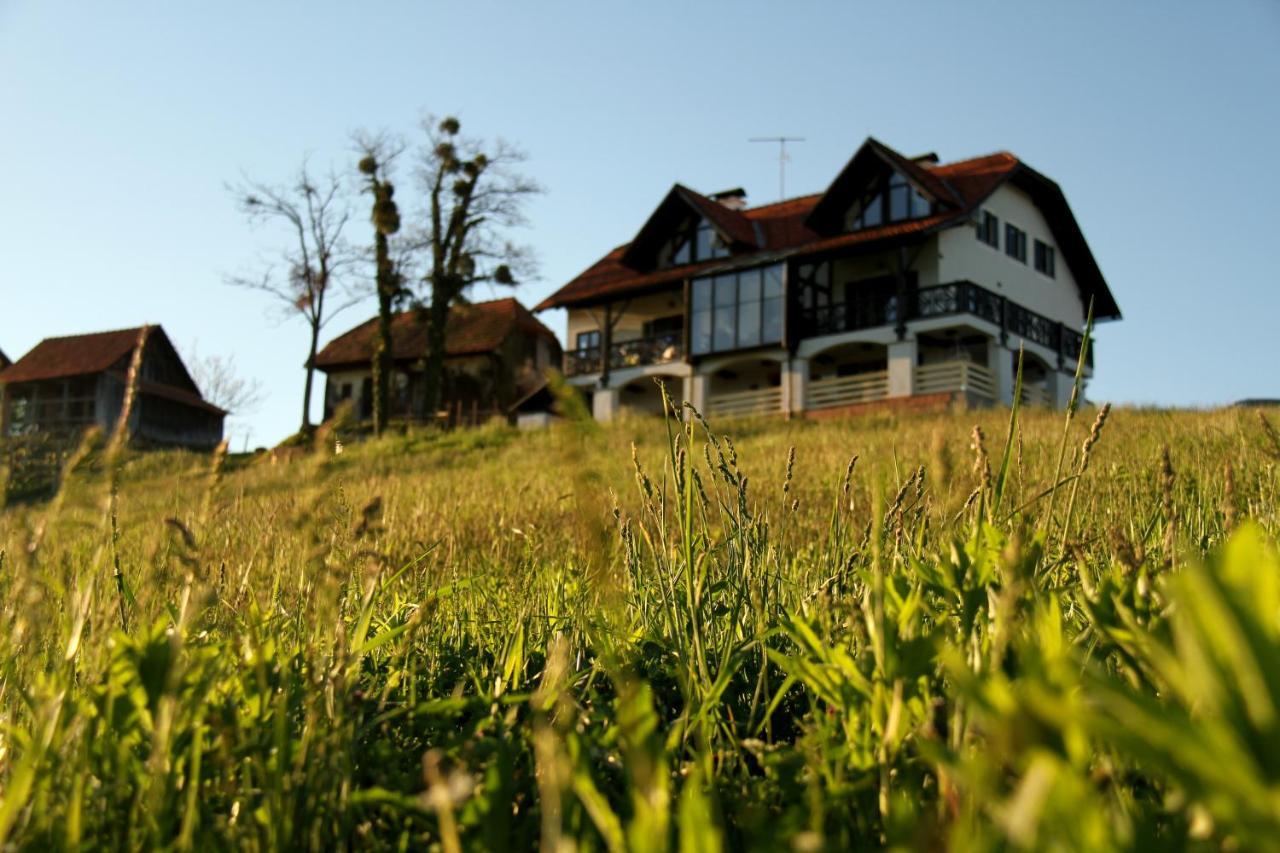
645	636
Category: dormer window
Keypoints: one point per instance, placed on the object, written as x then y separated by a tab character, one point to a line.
894	200
695	240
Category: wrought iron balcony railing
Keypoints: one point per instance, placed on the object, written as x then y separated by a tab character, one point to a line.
868	311
655	349
944	300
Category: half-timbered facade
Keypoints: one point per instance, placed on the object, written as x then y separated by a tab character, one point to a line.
68	384
905	281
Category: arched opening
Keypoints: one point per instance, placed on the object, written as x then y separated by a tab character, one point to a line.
953	345
1035	379
643	396
749	386
847	374
956	360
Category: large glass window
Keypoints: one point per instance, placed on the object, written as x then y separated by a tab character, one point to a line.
894	200
737	310
695	240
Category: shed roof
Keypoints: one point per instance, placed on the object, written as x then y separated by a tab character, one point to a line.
470	330
99	352
72	355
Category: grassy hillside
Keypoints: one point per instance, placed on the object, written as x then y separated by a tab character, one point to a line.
856	633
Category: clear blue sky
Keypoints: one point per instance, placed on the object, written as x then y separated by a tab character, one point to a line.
121	123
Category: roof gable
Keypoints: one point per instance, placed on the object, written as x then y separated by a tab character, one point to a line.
868	164
679	204
1052	202
162	363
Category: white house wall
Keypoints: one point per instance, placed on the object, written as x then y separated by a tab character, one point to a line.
334	382
963	256
636	312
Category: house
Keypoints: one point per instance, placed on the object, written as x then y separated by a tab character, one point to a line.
67	384
495	353
906	282
4	360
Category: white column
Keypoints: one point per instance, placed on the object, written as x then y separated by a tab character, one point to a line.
604	404
1059	383
795	381
902	368
1000	360
695	390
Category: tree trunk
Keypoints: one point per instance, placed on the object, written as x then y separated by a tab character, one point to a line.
382	340
433	377
311	372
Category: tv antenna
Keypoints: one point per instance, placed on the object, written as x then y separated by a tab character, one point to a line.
782	158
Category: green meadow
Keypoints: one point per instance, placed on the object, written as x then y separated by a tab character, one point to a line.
963	631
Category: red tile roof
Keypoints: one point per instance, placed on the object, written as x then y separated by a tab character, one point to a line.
471	329
74	355
784	230
99	352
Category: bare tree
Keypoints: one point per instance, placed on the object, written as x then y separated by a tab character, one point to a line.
388	283
473	195
315	256
220	382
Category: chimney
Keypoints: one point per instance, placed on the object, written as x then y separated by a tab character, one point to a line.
931	158
734	199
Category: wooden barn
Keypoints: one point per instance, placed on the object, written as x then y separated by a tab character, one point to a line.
495	353
65	385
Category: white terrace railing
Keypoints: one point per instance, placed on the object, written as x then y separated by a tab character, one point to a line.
1036	395
741	404
838	391
955	376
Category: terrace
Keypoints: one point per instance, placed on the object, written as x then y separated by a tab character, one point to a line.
876	309
955	299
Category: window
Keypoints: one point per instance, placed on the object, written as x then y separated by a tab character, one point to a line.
989	229
892	201
736	310
1015	242
664	326
695	240
344	393
1044	258
589	340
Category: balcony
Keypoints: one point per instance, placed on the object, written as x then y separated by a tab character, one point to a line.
655	349
945	300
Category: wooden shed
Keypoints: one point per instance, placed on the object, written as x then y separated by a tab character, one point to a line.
65	385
